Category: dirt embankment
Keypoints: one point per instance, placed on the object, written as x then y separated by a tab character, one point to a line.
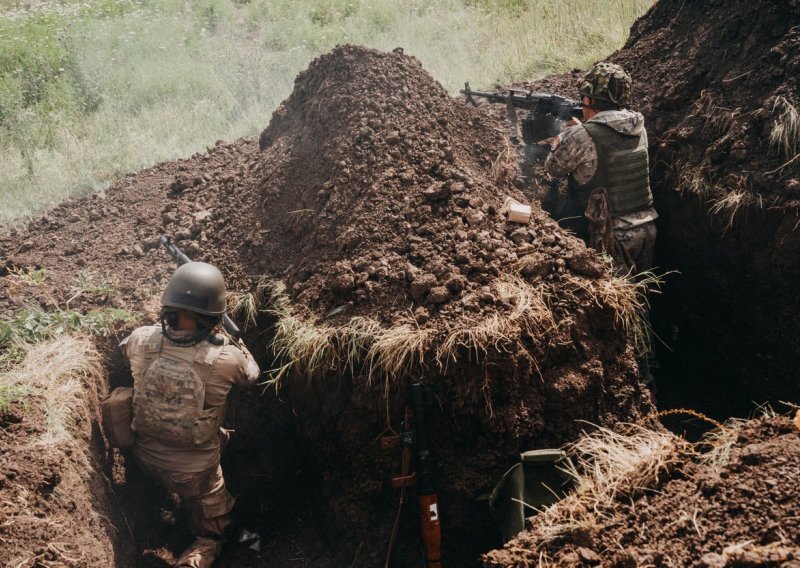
377	200
718	83
735	506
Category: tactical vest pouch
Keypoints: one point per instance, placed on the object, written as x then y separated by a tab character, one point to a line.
117	412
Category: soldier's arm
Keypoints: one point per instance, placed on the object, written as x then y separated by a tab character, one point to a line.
130	343
237	364
575	154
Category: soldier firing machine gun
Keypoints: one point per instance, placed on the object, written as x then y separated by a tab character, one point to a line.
546	112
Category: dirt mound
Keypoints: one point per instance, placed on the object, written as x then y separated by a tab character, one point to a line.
387	195
366	229
732	507
383	201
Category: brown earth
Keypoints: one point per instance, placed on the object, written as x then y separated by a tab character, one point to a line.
742	512
377	198
375	203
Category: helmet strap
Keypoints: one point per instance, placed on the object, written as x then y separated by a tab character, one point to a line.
206	325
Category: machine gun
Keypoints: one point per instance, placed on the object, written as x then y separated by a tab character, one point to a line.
546	112
414	440
181	258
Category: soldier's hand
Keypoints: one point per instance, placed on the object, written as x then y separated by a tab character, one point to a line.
554	142
573	121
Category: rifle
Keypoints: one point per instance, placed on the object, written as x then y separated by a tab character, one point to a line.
180	257
546	112
414	440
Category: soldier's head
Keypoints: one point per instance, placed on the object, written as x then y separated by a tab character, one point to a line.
607	86
194	300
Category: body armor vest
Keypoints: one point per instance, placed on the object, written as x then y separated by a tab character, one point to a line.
169	396
622	169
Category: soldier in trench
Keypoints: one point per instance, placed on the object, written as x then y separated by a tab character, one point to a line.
183	372
605	159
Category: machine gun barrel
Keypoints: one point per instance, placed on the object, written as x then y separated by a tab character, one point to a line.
546	112
180	257
538	103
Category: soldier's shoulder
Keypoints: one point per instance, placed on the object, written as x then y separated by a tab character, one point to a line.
142	332
576	135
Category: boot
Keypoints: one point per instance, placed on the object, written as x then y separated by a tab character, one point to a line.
200	554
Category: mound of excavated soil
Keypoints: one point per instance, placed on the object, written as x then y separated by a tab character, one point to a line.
741	512
382	201
382	195
377	199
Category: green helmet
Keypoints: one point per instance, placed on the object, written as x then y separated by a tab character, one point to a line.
197	287
607	82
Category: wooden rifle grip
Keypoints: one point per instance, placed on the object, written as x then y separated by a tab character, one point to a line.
431	529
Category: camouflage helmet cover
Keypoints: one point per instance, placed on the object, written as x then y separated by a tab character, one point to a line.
197	287
607	82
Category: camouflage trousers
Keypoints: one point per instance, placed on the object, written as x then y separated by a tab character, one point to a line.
637	245
204	496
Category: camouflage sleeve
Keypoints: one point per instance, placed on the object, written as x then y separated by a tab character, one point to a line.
575	155
237	365
132	342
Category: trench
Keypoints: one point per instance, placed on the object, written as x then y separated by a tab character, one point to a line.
719	349
726	317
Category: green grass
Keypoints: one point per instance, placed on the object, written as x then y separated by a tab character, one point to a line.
90	91
32	325
11	393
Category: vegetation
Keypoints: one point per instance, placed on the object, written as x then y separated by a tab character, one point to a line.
90	91
33	325
52	376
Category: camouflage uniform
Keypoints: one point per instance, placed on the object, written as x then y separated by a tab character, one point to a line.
180	395
576	156
608	166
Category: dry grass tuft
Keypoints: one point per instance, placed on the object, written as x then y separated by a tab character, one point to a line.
245	305
504	166
690	179
607	465
312	349
304	346
732	203
528	311
627	297
785	135
397	351
57	373
720	442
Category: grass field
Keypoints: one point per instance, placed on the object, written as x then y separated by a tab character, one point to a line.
92	90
